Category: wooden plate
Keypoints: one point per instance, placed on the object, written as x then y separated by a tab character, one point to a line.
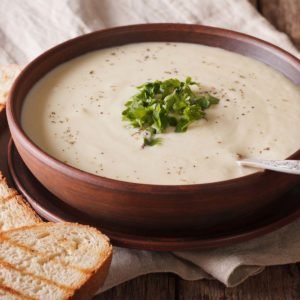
52	209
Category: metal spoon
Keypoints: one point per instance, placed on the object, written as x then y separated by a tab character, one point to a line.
285	166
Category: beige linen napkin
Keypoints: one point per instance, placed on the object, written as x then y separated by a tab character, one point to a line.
30	27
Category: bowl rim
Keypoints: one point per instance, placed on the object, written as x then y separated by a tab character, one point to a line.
120	185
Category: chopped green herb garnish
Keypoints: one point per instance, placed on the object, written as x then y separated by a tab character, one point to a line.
161	104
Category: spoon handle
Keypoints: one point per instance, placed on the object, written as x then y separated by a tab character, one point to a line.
285	166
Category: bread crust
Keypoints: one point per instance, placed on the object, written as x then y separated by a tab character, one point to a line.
96	281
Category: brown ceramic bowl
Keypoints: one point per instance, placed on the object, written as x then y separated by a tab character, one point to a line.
154	209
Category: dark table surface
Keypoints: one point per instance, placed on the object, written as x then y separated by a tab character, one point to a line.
274	283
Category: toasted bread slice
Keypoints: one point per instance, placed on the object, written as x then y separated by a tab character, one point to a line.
54	261
8	73
14	211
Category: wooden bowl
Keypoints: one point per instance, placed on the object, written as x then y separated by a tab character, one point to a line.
154	209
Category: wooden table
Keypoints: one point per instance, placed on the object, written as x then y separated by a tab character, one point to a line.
274	283
279	282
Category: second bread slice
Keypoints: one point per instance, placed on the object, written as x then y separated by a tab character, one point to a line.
54	261
14	210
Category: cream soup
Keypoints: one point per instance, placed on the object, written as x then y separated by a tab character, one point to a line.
74	114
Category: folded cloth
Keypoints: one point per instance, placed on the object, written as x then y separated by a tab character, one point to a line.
30	27
230	265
